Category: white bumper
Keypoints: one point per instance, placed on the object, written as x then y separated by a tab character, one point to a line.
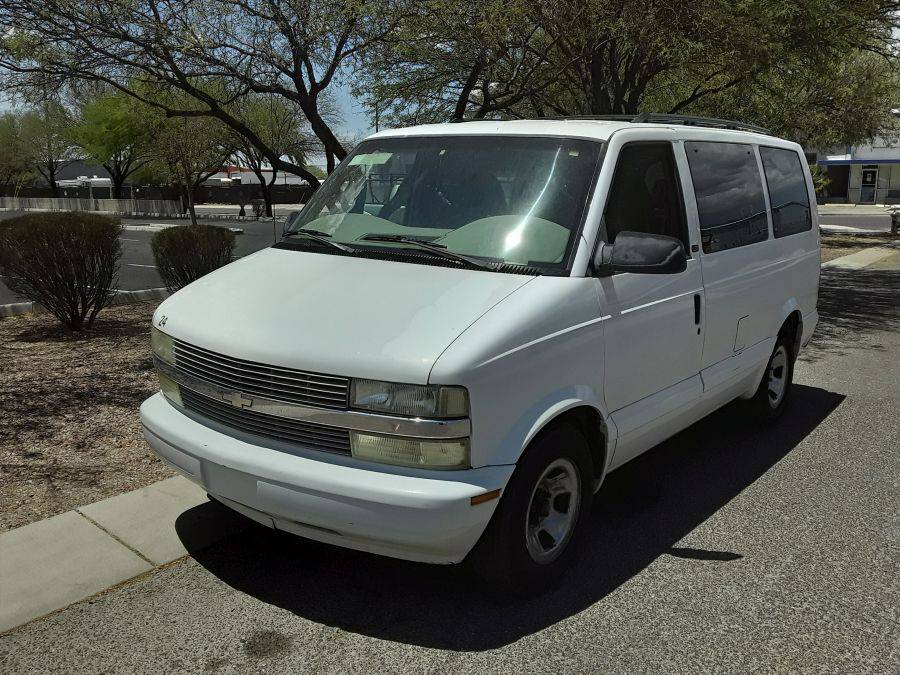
415	515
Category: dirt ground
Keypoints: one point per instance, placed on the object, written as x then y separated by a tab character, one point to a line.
837	245
69	428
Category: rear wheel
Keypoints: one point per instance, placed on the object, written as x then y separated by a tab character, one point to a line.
771	397
535	531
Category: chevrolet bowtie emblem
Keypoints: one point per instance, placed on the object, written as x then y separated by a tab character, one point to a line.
237	399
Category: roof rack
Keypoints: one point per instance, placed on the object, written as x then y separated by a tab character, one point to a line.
687	120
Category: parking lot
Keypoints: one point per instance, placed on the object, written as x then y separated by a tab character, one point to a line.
728	548
138	269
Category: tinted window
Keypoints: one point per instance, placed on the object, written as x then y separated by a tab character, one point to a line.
645	196
729	194
787	191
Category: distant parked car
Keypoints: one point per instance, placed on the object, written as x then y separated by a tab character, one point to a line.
450	373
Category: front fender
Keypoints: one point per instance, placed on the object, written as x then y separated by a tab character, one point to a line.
543	412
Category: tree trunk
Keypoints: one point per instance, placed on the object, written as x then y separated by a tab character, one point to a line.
190	201
51	179
331	145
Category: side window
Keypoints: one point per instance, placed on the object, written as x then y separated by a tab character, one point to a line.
729	194
787	191
645	195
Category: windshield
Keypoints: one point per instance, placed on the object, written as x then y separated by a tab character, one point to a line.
500	202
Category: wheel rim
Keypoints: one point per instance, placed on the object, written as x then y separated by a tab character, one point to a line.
552	511
778	372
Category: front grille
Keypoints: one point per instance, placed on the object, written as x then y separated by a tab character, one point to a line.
256	379
281	428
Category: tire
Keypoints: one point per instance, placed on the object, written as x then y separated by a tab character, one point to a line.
533	537
774	390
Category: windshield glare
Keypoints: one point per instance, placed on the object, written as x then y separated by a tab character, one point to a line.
510	200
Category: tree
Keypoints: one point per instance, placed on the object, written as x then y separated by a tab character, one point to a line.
458	60
15	156
186	151
47	131
115	130
293	49
280	125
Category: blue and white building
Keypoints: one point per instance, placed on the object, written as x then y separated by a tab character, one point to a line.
864	174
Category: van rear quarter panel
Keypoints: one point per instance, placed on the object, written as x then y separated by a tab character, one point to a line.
530	358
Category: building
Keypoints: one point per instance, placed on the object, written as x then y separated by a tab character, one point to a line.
864	174
241	175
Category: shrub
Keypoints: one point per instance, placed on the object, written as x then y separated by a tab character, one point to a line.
185	253
67	262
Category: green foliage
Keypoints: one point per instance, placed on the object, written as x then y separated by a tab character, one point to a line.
116	131
15	155
316	171
185	253
67	262
820	178
818	71
47	130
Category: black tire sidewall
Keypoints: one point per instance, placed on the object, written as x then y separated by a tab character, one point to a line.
501	555
760	400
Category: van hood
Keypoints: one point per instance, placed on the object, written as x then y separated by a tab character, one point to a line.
332	314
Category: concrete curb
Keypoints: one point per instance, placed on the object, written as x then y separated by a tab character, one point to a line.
120	298
150	227
53	563
856	231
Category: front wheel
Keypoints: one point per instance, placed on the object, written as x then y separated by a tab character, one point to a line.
535	531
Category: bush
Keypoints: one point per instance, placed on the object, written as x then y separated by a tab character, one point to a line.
67	262
185	253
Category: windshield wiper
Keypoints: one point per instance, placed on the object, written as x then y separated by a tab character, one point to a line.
322	238
437	249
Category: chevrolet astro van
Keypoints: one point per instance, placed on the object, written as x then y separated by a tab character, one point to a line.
469	325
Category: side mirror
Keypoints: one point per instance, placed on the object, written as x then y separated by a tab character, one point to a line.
641	253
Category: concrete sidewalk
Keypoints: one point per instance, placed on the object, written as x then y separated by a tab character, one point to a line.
55	562
855	209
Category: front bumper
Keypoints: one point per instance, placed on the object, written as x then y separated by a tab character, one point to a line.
416	515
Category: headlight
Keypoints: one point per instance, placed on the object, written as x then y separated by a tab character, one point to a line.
411	400
170	389
426	454
163	346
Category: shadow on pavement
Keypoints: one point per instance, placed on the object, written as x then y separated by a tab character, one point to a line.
851	304
641	512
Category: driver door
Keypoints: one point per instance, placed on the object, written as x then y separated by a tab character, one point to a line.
654	337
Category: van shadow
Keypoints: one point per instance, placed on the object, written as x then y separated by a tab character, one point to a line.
641	512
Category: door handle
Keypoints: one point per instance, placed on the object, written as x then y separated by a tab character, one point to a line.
697	310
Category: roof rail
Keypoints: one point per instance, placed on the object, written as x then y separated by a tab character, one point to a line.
665	118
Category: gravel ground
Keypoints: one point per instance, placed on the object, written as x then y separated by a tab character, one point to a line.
70	433
837	245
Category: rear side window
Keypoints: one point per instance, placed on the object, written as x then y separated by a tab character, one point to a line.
729	194
787	191
645	195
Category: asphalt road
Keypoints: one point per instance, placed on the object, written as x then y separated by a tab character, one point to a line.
729	548
870	222
138	269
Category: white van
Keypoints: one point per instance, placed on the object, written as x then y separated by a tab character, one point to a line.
470	325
